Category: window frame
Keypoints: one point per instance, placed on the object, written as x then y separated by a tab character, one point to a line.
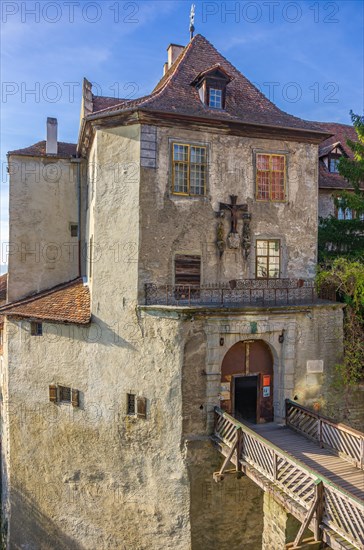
36	328
259	256
128	403
72	226
270	155
188	163
215	89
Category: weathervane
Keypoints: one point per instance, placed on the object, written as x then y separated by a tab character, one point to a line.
192	21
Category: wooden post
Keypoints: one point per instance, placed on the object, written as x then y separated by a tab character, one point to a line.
308	518
275	466
239	441
362	452
320	432
319	495
287	405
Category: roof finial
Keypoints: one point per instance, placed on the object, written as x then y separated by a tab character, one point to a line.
192	20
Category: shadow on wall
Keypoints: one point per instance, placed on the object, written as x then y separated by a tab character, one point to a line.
30	528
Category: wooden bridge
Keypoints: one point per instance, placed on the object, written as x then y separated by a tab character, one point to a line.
313	466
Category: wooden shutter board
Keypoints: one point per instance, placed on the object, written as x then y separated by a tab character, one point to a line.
141	407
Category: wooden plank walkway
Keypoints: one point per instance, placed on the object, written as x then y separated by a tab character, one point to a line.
322	489
334	468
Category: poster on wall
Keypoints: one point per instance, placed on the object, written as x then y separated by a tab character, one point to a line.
266	391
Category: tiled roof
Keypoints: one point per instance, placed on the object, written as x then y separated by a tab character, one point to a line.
67	303
3	286
65	150
341	132
103	102
244	102
330	180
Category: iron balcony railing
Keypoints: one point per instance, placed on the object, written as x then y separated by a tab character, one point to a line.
245	292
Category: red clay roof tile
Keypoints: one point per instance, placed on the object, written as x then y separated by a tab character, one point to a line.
65	150
67	303
244	102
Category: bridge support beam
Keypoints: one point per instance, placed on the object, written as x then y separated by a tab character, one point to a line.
280	528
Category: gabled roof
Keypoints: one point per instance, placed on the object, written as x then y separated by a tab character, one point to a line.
341	132
3	286
65	150
217	68
103	102
174	94
65	303
326	150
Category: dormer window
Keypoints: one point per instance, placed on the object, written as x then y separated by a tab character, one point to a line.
333	165
215	98
211	85
330	156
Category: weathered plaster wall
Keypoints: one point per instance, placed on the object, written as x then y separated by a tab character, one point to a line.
173	224
326	205
68	464
223	515
311	334
43	203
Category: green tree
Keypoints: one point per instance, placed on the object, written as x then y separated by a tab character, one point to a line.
347	277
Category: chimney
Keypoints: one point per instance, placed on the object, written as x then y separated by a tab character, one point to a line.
51	145
173	52
165	68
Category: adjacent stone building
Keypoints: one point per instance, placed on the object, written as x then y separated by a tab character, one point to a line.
162	267
330	181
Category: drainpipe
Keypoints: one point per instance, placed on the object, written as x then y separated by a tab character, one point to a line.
78	173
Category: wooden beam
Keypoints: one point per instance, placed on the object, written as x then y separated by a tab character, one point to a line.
307	521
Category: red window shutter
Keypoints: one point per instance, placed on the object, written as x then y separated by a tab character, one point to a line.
141	407
53	393
75	398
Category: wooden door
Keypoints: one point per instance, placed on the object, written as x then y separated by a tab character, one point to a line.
246	359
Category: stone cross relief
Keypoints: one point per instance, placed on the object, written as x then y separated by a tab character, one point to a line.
233	238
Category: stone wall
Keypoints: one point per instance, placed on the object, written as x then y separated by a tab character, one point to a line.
172	224
42	204
326	205
64	465
223	515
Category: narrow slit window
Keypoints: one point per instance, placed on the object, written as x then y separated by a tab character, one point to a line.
65	394
36	329
131	403
74	229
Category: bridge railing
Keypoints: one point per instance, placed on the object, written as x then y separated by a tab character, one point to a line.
343	440
337	510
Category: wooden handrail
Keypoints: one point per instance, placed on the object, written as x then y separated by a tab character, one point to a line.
339	425
311	490
343	440
315	475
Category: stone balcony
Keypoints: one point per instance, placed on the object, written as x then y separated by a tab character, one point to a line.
237	294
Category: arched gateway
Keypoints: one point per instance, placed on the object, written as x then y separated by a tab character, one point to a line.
247	381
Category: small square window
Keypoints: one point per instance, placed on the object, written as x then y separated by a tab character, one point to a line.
74	229
36	329
65	394
215	98
131	402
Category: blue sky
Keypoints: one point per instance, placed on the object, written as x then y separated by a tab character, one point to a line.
306	56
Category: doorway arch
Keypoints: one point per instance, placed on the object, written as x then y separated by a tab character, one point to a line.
247	381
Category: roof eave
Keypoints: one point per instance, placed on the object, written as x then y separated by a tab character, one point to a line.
319	134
